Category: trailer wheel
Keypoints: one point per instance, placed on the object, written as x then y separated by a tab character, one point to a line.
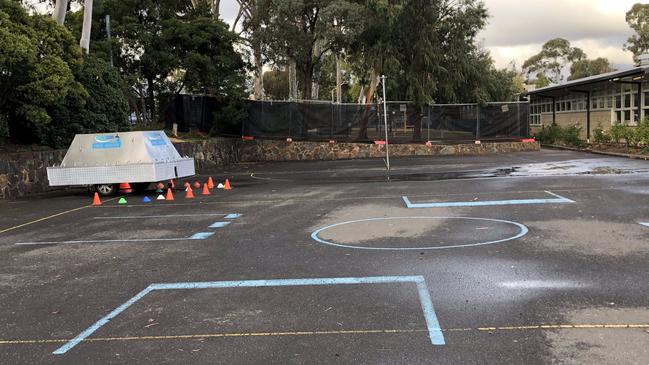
106	189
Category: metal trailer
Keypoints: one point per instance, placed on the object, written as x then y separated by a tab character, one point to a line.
103	161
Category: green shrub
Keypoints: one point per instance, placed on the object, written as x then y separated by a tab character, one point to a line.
549	135
643	132
570	136
617	132
600	136
631	136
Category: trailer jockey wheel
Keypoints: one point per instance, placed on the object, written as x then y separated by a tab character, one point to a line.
106	189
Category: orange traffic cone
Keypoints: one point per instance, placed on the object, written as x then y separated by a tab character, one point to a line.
189	193
186	185
210	183
206	190
96	201
170	195
125	188
227	185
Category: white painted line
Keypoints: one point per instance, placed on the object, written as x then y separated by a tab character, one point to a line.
646	224
559	200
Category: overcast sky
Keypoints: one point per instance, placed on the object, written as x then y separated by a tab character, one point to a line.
518	28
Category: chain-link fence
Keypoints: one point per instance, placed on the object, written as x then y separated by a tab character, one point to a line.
321	121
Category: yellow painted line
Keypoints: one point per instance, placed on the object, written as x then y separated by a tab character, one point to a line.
50	217
564	326
216	335
326	333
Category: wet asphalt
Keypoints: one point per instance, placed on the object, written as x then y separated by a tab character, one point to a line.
64	266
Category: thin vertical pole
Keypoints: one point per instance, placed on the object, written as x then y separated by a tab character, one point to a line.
385	121
428	123
477	122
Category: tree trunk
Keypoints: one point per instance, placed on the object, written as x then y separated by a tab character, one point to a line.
135	109
151	98
338	80
315	84
87	26
308	79
60	9
292	80
374	81
216	4
259	74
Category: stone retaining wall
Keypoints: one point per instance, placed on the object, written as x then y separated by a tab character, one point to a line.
271	150
24	174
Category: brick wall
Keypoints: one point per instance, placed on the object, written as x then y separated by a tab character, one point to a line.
566	119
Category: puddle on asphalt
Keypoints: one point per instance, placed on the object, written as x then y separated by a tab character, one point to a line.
601	166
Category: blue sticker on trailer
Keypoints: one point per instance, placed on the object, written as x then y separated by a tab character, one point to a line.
156	139
105	142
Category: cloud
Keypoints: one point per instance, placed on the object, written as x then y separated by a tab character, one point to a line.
517	29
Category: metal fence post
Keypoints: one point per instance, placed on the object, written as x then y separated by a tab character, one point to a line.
477	122
428	127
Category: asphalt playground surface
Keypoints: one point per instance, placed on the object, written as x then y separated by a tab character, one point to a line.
534	258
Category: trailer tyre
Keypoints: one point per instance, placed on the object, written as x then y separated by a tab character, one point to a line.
106	189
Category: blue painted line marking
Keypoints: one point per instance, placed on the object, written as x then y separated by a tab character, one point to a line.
197	236
90	330
232	216
200	235
523	230
646	224
434	330
219	224
558	200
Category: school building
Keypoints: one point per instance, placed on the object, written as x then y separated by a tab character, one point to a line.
594	102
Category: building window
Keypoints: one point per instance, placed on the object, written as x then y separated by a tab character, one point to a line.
626	103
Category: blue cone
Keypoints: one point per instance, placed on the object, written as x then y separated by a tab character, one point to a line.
146	199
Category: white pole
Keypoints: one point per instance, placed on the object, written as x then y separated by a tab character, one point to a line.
385	121
87	26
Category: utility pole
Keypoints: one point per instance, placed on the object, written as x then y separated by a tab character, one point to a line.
87	26
60	9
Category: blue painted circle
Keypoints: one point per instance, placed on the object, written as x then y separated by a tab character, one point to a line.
523	231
